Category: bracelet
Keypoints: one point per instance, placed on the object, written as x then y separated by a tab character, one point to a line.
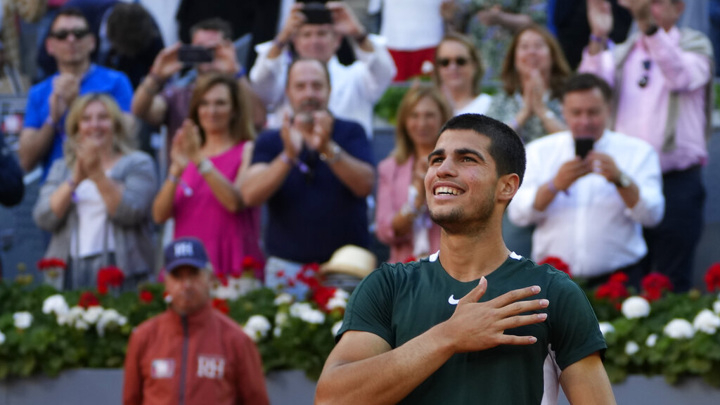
240	73
71	183
336	152
284	157
205	166
551	186
279	44
595	38
50	121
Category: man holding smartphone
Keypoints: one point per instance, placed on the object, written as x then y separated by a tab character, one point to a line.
315	32
589	211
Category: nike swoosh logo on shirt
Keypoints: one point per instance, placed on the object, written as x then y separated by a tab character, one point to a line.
452	300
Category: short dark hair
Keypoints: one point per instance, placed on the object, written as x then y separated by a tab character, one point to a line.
130	28
69	12
506	147
585	82
213	24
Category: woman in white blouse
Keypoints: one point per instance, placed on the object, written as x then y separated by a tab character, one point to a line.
458	72
96	201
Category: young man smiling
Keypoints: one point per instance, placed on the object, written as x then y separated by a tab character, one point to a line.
473	322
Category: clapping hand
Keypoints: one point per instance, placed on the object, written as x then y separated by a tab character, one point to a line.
66	87
600	17
88	153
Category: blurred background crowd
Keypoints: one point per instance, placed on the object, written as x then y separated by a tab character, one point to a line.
251	125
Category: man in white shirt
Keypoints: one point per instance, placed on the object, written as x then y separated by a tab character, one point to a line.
355	88
590	211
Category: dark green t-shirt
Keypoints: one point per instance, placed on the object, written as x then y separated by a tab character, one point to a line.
401	301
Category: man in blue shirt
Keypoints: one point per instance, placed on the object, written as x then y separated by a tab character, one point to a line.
314	173
70	42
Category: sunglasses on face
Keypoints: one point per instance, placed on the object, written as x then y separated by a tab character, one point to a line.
445	62
78	33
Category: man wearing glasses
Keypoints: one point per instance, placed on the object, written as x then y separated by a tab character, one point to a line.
70	42
314	173
662	77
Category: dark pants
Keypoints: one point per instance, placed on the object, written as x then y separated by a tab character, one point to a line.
671	245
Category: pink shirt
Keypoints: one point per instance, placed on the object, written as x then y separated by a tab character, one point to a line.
642	111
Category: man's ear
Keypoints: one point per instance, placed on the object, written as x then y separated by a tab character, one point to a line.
507	187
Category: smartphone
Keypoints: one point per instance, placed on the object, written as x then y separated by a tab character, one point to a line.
583	146
192	54
317	13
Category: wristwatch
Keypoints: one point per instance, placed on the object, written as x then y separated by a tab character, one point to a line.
335	151
623	181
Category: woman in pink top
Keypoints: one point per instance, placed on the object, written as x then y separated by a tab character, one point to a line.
401	218
208	156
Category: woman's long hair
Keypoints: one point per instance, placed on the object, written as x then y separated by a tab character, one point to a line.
122	141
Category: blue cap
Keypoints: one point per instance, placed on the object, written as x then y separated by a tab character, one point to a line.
185	252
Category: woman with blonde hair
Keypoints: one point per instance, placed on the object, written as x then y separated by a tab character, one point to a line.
96	201
458	73
401	218
533	74
208	157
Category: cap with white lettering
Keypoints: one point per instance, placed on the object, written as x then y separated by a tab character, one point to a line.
185	252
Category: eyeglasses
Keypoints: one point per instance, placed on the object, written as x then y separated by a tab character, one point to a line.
646	75
62	35
445	62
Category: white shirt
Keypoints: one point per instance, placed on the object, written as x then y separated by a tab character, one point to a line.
590	228
479	105
93	222
354	89
410	25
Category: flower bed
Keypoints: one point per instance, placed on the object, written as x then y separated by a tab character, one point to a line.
43	331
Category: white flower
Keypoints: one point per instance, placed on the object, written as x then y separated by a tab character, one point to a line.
427	67
92	314
283	298
2	338
679	329
22	320
335	303
706	321
606	327
651	340
716	307
108	317
243	285
55	304
80	324
635	307
342	294
277	331
257	327
336	328
299	308
631	348
225	293
281	319
313	316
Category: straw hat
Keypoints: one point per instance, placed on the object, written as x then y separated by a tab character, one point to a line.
352	260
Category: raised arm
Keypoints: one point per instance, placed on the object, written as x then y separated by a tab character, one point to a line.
389	375
147	104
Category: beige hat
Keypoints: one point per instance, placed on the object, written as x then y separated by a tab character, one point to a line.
352	260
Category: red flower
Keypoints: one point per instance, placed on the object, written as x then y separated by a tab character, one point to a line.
222	278
221	305
280	274
88	299
614	290
557	263
410	259
619	277
110	276
712	278
322	295
146	296
51	263
250	263
654	284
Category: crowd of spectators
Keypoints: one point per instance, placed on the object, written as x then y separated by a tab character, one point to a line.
284	123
